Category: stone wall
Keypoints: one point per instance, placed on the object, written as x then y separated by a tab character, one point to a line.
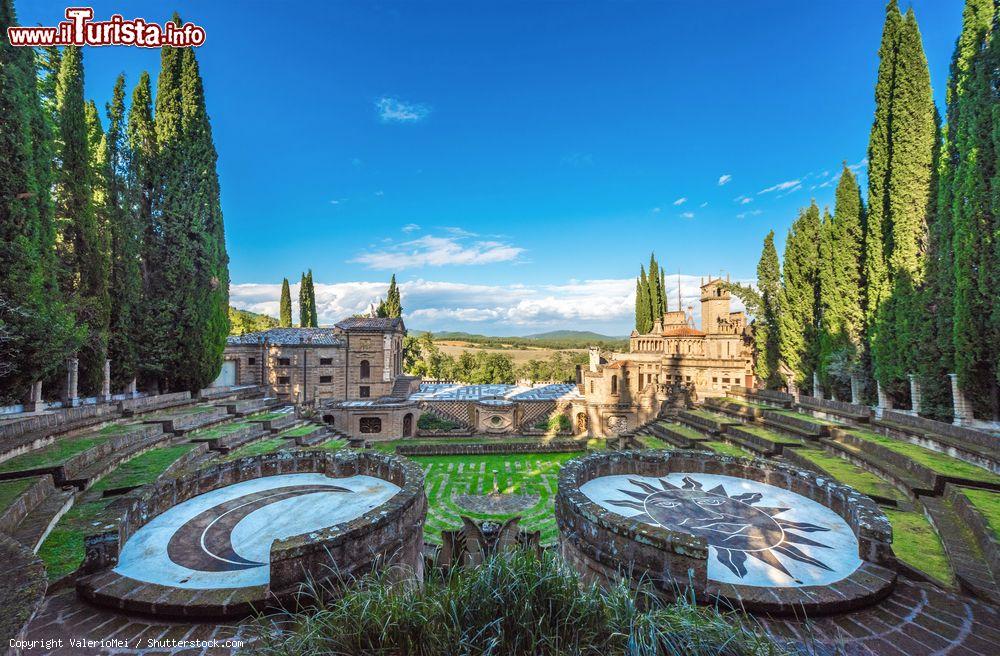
841	408
22	593
922	425
452	449
129	407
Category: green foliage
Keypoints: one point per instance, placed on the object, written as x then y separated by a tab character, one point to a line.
650	296
766	326
512	604
560	367
557	423
285	311
556	339
430	421
799	297
242	322
392	306
307	302
643	320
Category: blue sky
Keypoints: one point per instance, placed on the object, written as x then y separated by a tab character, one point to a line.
513	162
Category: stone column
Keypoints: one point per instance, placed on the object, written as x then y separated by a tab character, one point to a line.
855	389
884	400
132	389
793	389
72	398
962	407
35	402
105	396
915	396
817	388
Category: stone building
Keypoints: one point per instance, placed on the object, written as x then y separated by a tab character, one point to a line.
632	387
359	358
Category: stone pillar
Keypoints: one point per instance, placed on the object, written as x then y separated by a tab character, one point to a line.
35	402
105	396
72	398
817	388
855	389
884	400
962	407
793	389
132	389
915	394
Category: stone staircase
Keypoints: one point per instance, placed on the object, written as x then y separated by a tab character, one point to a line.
971	565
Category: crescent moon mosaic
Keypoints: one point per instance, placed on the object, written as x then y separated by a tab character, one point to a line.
222	539
757	534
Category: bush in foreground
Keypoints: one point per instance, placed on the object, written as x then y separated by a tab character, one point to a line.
514	604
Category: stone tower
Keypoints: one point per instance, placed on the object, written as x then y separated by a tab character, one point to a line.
714	306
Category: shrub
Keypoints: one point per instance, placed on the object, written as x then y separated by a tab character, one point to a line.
557	423
430	421
513	604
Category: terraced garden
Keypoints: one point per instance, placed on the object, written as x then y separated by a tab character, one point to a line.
522	474
988	504
860	479
917	544
938	462
12	489
63	449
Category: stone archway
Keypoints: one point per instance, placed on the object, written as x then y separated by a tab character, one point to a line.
408	424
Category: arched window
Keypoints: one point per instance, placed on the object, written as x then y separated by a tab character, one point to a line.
366	370
614	384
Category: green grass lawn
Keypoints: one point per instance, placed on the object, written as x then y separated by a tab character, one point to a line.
653	442
686	431
56	453
10	490
804	417
714	416
760	431
724	448
267	416
916	543
255	449
937	462
390	445
523	473
63	550
299	431
846	472
745	403
216	432
332	445
986	502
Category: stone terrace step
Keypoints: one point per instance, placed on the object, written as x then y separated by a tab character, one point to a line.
797	424
967	559
229	440
34	493
84	477
185	422
35	527
851	411
680	436
879	489
249	406
981	453
278	424
706	421
734	408
22	590
761	440
232	393
869	460
984	534
132	407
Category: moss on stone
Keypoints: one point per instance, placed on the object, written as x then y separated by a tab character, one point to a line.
916	543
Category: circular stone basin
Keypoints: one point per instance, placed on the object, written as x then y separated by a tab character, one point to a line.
222	539
755	534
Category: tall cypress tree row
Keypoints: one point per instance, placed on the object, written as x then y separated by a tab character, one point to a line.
766	327
313	315
83	259
656	300
799	296
643	317
393	305
991	58
125	278
976	231
842	312
304	320
37	331
285	308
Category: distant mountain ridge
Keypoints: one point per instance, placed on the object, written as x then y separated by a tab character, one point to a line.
552	339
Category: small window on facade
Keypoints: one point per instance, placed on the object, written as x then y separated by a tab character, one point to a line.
715	380
326	360
371	425
614	384
251	360
364	392
366	370
725	380
284	362
326	379
283	380
591	387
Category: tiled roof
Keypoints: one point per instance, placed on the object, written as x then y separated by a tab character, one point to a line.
371	323
682	331
289	336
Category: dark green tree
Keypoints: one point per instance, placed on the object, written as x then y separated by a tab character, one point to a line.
313	315
643	316
766	327
799	304
285	310
657	305
392	306
82	256
37	331
125	232
304	320
842	311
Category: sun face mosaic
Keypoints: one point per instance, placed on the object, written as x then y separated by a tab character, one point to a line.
757	534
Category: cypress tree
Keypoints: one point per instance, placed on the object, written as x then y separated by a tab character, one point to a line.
799	296
393	306
655	291
125	278
37	331
976	231
643	316
842	312
83	258
285	310
304	320
766	328
313	315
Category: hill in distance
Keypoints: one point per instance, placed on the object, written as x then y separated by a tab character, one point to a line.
559	339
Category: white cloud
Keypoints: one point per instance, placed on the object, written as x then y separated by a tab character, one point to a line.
743	200
687	215
656	210
380	193
410	227
743	215
607	305
724	179
781	186
705	204
680	201
456	250
394	110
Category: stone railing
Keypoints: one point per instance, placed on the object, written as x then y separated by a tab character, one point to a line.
130	407
391	533
59	421
930	427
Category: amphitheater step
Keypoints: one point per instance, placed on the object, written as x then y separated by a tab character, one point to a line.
967	559
762	441
35	527
682	437
896	474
